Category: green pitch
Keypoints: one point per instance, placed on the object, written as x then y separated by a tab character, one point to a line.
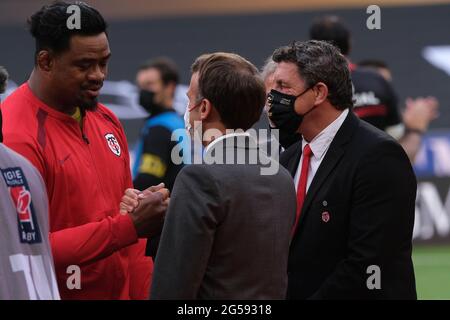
432	268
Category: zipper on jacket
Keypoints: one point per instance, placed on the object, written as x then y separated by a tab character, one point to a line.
83	115
86	140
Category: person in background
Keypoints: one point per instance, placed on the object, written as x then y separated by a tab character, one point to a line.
417	115
376	101
143	79
157	80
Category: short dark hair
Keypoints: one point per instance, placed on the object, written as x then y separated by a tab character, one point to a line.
333	30
167	69
234	87
3	79
49	25
319	61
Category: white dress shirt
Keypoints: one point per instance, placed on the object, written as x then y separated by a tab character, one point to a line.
319	147
237	134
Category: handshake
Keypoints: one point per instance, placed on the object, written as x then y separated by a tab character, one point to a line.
146	208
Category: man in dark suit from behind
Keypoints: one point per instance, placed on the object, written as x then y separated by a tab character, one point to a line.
355	185
227	230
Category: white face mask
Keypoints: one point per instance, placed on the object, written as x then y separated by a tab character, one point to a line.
187	124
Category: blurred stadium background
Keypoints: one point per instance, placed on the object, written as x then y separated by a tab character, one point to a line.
414	40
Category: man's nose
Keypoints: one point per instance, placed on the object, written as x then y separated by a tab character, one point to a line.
98	74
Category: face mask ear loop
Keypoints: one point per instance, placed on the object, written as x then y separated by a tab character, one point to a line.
195	105
306	90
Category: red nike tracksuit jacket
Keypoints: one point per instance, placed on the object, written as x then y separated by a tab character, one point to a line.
86	173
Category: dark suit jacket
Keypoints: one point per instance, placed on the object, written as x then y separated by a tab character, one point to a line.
358	212
227	230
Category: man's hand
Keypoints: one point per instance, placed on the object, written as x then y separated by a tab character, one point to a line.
130	199
420	112
146	209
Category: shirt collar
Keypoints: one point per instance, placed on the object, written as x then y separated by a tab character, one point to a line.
228	135
320	144
40	104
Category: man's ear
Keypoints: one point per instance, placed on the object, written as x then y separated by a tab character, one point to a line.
205	109
45	60
321	92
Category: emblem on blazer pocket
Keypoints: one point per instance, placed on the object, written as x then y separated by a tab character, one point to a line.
113	144
325	216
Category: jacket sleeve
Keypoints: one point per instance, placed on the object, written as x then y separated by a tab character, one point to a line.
140	270
380	226
29	149
92	241
188	235
86	243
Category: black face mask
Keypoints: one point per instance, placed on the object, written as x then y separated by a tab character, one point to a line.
282	112
146	100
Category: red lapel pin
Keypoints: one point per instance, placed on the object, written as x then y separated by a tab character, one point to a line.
325	216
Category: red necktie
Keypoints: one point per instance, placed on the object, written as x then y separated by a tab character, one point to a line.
301	188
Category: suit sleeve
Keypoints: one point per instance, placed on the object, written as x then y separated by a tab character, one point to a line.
380	226
188	235
86	243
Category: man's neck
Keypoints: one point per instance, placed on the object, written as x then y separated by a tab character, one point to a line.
316	121
39	89
213	131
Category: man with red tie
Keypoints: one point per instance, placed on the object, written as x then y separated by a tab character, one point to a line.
355	185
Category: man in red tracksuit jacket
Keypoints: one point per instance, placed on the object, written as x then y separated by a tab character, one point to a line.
80	149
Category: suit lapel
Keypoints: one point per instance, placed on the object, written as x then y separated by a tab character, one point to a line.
329	162
332	158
